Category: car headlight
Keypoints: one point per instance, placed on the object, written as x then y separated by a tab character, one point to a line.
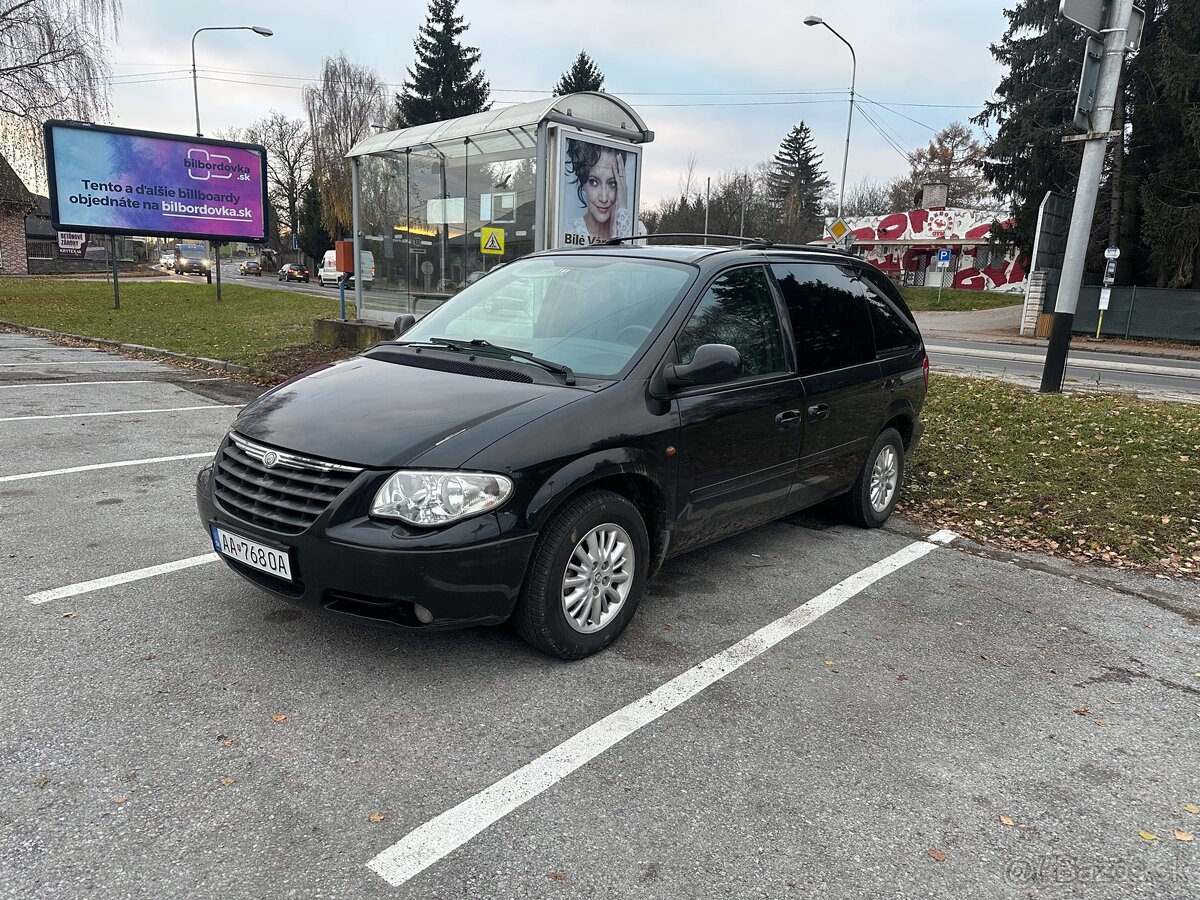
438	498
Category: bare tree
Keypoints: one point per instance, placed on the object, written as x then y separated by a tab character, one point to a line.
289	160
53	64
341	108
869	197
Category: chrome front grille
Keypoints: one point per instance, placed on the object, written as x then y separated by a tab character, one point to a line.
284	492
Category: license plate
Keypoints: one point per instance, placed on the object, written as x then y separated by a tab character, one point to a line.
253	554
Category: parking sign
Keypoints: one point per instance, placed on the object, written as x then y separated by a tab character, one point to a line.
943	258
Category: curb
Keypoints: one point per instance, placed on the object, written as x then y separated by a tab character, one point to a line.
134	348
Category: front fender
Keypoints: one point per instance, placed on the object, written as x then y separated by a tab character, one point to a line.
659	476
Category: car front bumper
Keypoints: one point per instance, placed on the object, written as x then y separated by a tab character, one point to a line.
375	573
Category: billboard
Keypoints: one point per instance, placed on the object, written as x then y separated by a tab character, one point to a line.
597	190
117	181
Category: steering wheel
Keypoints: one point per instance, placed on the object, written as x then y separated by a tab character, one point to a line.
632	334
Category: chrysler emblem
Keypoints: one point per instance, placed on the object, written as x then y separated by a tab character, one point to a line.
270	458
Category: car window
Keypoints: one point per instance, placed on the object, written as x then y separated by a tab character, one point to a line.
829	315
895	329
592	313
738	309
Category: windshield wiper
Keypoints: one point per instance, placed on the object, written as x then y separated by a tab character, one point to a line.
480	345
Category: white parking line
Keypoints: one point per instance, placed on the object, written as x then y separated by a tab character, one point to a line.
74	362
428	843
96	584
46	384
122	412
97	466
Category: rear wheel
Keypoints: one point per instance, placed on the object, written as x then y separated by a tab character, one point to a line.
586	578
871	500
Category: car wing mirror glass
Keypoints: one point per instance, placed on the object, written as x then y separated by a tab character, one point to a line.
403	323
711	364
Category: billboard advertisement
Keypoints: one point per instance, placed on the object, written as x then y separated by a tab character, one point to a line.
597	190
117	181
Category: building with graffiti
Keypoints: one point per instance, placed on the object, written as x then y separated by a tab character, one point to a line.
905	246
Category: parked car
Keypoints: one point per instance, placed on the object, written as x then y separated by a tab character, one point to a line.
538	445
328	273
250	267
294	272
167	260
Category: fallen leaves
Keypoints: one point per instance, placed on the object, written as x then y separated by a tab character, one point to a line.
1005	820
227	781
1147	835
120	800
70	615
1082	711
278	718
1180	835
556	876
1190	808
375	818
939	855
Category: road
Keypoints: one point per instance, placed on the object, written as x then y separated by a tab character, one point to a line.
808	709
1088	366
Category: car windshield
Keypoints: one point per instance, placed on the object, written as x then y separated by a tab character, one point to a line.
589	313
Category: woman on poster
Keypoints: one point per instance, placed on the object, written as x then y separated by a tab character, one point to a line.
599	175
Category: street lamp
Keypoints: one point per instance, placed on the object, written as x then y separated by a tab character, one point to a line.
257	29
817	20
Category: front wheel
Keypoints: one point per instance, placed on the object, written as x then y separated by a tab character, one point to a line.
873	497
586	578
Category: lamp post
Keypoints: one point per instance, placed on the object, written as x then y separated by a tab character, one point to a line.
257	29
817	20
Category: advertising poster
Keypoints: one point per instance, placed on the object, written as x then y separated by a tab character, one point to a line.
72	244
116	181
597	190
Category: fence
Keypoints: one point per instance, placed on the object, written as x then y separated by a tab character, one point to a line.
1136	312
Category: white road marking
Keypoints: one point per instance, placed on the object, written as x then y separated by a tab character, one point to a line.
121	412
75	362
428	843
46	384
97	584
97	466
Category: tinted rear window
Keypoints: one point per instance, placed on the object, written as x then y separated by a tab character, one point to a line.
829	315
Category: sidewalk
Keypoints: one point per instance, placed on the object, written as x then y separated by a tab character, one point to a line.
1003	326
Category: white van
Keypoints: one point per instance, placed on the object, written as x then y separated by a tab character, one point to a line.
328	273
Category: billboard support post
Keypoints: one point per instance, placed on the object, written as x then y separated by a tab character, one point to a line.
115	267
356	221
216	245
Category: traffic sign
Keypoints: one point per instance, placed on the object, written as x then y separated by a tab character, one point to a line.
1091	15
491	240
838	229
295	241
1104	295
943	258
1112	253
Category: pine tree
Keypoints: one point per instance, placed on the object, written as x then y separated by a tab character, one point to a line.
797	186
584	75
442	83
314	239
1166	147
1035	104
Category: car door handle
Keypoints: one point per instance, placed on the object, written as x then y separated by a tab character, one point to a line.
819	411
788	419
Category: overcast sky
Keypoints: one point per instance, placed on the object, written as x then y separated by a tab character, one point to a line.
722	80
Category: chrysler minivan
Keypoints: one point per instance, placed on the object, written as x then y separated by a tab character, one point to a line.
536	447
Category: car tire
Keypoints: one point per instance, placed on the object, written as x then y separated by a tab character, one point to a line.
596	527
869	503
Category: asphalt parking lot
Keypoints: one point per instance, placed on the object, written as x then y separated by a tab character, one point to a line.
805	710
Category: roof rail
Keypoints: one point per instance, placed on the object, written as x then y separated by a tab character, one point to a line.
686	234
815	248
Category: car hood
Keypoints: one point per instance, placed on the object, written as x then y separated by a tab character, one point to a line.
378	414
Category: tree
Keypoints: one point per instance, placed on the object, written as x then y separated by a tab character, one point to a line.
442	83
954	158
1033	109
289	160
315	239
341	108
53	64
584	75
797	186
869	197
1170	192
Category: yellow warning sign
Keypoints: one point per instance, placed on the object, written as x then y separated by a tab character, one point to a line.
491	240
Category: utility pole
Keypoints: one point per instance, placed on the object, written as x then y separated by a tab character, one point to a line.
1090	170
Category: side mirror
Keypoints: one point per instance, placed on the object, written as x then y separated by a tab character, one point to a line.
403	323
711	364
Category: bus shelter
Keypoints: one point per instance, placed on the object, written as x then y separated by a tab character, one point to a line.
438	205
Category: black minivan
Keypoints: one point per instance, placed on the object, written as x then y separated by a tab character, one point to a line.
536	447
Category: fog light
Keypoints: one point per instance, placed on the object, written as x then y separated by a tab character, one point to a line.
424	616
